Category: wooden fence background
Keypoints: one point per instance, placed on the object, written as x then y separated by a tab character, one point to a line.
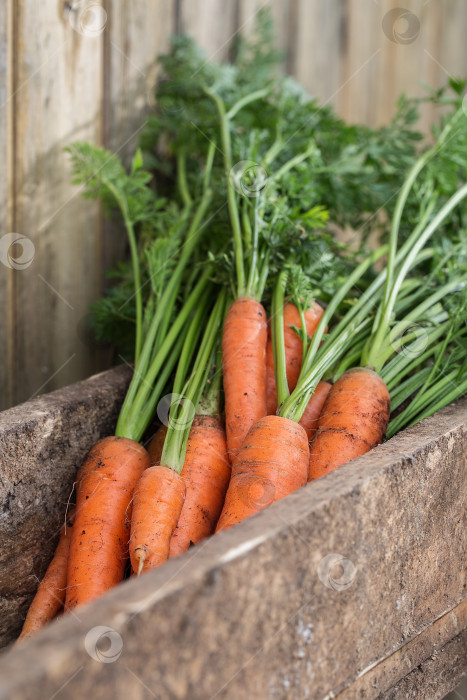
78	69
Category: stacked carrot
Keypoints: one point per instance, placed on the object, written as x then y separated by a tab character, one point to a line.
259	406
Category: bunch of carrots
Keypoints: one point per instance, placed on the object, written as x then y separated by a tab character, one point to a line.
270	386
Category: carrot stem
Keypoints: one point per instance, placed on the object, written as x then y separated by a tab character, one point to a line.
380	339
157	332
182	180
231	194
401	202
278	342
133	421
123	204
181	416
209	403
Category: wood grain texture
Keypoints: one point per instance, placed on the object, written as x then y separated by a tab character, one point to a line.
6	157
280	11
57	100
136	34
360	572
213	23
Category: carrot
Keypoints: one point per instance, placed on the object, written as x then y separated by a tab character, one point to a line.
293	349
310	418
353	420
156	445
244	366
272	462
99	540
206	473
160	493
157	505
50	595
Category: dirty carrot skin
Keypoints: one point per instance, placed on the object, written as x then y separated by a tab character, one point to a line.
272	463
156	445
244	343
50	595
160	493
206	473
99	539
310	418
157	505
273	460
293	349
353	421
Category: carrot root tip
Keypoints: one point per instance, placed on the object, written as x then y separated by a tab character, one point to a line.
140	556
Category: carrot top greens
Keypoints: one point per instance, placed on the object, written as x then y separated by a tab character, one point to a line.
240	174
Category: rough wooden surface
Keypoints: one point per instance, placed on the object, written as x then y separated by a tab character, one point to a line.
395	670
67	83
436	676
264	610
57	86
6	158
42	444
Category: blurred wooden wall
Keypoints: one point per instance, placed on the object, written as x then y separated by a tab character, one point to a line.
77	69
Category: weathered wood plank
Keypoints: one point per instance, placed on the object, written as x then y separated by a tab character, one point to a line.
361	55
280	11
318	56
136	34
392	671
356	98
6	157
42	443
213	23
436	676
261	610
58	100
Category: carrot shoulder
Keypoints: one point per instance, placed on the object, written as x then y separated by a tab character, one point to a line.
99	541
206	473
354	419
293	349
157	504
272	463
156	445
50	595
244	366
310	417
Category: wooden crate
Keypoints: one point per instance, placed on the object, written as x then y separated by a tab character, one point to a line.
353	587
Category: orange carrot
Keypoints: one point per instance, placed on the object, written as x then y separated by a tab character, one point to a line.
353	420
310	418
293	349
156	445
206	473
157	504
50	595
272	462
160	493
99	541
244	365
